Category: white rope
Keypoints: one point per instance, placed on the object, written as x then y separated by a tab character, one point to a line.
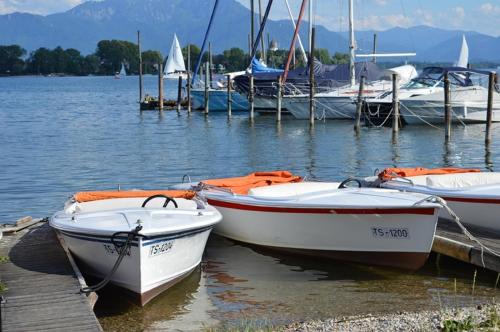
420	117
442	202
377	113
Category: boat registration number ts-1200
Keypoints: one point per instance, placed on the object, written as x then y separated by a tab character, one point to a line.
160	248
390	233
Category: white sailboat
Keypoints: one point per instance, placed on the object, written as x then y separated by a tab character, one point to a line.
122	72
463	58
175	67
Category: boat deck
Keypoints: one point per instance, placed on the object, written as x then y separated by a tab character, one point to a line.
450	241
42	287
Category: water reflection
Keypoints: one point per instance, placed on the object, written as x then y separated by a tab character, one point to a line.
241	283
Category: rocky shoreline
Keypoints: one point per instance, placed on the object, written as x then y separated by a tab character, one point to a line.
481	317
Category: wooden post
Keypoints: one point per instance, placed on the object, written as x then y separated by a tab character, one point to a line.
447	107
311	79
279	95
359	105
395	103
160	86
188	83
489	108
229	97
207	88
374	59
210	62
250	97
141	92
179	94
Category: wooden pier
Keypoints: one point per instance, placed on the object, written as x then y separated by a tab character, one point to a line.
450	241
42	283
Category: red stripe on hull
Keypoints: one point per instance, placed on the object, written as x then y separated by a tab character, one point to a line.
239	206
473	200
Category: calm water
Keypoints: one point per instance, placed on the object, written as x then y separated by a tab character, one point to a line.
61	135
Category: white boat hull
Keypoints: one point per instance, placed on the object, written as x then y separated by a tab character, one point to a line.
150	267
362	235
337	108
175	76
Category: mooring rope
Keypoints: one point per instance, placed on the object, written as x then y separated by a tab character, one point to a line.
122	251
456	219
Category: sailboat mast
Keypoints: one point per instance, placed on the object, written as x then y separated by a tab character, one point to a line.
352	73
310	25
292	45
262	41
304	55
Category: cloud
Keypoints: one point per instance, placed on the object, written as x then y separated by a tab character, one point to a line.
381	2
36	6
489	9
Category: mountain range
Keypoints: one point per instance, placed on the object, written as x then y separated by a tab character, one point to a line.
86	24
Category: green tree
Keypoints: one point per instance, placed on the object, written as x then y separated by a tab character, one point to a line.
112	53
150	60
91	65
340	58
235	59
41	62
323	56
195	53
11	62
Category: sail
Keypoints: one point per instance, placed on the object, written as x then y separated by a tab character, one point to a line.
175	61
463	59
122	71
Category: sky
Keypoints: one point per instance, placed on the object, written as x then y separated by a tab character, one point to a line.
476	15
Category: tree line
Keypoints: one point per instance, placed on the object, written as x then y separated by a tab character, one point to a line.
110	55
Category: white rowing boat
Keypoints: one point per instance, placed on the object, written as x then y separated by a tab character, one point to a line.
167	236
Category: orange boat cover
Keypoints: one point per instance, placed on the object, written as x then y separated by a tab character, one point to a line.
241	185
390	173
88	196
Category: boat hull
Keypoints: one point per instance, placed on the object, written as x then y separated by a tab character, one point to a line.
149	267
337	108
218	100
361	235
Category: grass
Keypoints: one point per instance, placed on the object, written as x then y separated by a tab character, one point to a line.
491	323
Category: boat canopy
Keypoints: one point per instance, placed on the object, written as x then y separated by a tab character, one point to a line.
259	67
241	185
394	172
89	196
458	75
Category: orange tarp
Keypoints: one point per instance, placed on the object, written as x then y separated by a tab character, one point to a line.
241	185
390	173
88	196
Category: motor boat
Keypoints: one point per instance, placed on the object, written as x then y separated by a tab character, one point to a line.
158	235
323	219
473	195
340	103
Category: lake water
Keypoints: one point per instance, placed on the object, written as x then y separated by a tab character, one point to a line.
62	135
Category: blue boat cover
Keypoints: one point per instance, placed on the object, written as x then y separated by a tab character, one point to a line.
258	67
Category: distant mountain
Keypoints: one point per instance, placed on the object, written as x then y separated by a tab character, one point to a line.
83	26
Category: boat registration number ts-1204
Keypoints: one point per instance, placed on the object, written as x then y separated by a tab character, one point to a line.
390	232
160	248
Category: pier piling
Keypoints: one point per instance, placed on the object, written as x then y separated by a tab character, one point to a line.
141	90
447	107
395	104
188	83
207	86
229	97
279	95
160	86
311	79
179	94
251	97
489	109
359	105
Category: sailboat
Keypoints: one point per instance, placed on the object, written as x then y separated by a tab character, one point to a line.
122	72
175	67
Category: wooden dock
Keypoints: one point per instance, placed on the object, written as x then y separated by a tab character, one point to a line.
42	286
450	241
